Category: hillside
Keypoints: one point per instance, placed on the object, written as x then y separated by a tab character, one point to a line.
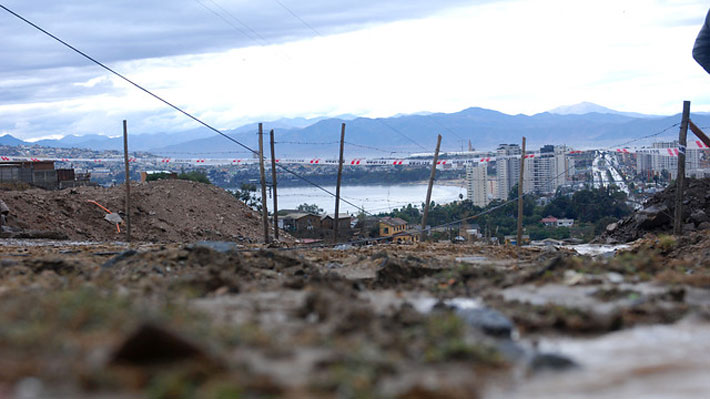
162	211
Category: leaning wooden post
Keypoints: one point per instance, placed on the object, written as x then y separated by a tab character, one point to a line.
521	181
431	185
336	220
273	178
699	133
680	179
128	181
264	210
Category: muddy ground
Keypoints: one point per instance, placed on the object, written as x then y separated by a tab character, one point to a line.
161	211
217	320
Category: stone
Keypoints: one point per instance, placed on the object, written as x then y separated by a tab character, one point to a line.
150	345
123	255
488	320
699	216
551	362
610	228
704	226
223	247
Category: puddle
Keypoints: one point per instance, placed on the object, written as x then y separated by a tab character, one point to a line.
472	259
54	243
643	362
598	250
383	301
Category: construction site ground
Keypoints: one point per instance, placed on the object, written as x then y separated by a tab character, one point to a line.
187	317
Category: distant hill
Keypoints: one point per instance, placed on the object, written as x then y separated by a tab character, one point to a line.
417	133
584	125
10	140
589	108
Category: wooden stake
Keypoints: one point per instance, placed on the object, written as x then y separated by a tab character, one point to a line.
701	135
431	185
680	179
264	210
521	181
128	181
273	178
336	220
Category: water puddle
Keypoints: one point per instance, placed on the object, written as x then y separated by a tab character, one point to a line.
644	362
598	250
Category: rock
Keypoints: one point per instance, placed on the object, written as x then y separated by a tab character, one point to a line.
551	362
488	320
704	226
610	228
688	228
150	345
123	255
615	278
653	216
699	216
223	247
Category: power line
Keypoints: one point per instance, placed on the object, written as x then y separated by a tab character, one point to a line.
228	22
306	24
175	107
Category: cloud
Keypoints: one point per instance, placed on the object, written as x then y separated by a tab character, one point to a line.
513	56
137	29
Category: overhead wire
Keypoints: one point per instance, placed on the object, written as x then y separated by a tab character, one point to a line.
290	11
157	97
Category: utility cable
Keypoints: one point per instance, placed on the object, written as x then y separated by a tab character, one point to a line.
306	24
171	105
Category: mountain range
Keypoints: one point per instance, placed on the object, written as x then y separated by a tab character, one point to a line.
583	125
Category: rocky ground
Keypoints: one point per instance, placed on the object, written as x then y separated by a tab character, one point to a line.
657	215
215	319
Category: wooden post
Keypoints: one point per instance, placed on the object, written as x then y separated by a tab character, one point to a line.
521	181
699	133
336	220
264	210
680	179
431	185
128	181
273	178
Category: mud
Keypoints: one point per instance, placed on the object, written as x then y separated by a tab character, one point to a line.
165	211
390	321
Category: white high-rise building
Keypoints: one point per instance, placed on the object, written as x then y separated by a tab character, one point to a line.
655	163
477	184
507	169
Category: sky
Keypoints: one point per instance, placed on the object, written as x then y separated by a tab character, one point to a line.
233	62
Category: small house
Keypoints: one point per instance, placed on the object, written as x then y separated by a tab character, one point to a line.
396	228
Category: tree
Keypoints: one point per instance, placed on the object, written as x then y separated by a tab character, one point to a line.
247	194
310	208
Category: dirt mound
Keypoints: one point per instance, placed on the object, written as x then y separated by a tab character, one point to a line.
657	215
161	211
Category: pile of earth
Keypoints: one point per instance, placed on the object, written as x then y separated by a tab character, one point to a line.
657	215
161	211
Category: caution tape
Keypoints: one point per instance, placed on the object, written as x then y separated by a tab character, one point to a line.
364	161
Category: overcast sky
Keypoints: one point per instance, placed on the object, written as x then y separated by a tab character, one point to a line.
232	62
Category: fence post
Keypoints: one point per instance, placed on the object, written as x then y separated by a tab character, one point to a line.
273	178
431	185
521	192
336	220
128	181
264	210
680	178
